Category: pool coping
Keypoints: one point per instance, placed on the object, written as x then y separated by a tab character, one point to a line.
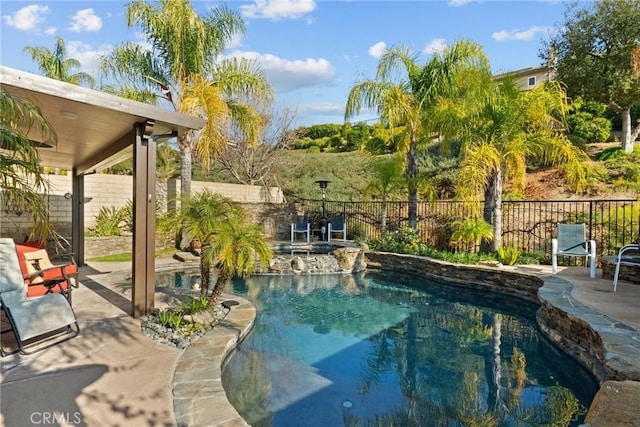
200	399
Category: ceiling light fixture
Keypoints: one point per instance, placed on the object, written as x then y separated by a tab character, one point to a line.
68	115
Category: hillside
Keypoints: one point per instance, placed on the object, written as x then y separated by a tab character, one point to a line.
349	174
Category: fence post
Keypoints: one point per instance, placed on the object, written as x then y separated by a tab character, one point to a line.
590	219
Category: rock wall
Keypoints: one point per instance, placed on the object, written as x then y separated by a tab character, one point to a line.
573	334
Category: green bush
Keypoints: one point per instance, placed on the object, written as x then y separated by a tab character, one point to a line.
191	305
470	232
109	222
508	255
405	240
529	258
589	127
170	319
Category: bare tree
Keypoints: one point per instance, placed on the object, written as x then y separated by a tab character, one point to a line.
253	164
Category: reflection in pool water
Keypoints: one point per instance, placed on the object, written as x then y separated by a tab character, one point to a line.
368	349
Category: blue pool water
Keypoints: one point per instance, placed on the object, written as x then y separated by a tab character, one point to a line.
370	349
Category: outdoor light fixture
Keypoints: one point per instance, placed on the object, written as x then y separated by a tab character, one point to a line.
68	114
323	182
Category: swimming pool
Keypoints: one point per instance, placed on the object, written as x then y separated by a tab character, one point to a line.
370	349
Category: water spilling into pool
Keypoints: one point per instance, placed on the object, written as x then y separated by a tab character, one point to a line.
367	349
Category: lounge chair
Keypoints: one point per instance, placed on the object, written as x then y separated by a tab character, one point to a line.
627	259
301	225
571	241
41	274
337	225
37	322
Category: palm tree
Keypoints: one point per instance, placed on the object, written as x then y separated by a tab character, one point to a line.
501	130
56	65
398	108
386	181
235	249
198	218
227	243
470	232
183	70
407	102
22	187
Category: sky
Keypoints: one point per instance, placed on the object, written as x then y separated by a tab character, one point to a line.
312	51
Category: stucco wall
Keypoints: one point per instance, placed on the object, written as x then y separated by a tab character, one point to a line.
116	190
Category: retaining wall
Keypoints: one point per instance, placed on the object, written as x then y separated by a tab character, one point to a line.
569	330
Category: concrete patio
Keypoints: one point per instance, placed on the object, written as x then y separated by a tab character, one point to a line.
113	375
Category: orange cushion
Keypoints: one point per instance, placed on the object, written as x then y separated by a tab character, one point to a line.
36	289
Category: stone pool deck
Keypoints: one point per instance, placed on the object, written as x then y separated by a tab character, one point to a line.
112	375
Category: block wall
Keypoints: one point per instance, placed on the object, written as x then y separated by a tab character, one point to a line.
115	190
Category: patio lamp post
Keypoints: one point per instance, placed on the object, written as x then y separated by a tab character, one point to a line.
322	182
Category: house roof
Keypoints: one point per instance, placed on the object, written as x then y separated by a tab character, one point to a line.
522	72
93	127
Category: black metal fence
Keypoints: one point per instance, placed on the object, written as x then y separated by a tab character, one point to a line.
527	224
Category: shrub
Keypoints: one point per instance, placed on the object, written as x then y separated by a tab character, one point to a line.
536	257
170	319
470	232
590	128
191	305
508	255
109	222
404	240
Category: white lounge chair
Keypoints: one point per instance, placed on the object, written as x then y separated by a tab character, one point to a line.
37	322
624	258
571	241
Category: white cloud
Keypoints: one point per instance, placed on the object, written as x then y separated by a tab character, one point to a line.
321	109
236	41
529	34
277	9
88	55
458	3
27	18
287	76
435	45
85	20
51	31
377	49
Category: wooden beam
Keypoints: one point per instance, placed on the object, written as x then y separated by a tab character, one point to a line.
77	217
125	142
143	263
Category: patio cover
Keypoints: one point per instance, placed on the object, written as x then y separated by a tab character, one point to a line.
96	130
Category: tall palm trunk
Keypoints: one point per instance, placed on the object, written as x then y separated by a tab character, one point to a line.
383	216
205	269
493	212
411	173
223	279
186	150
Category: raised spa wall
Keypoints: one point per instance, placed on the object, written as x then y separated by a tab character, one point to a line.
564	327
339	258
